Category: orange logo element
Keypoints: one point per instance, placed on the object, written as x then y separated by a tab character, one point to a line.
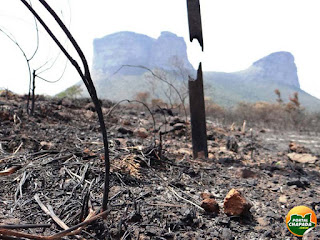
300	219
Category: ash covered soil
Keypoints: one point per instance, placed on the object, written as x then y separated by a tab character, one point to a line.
155	192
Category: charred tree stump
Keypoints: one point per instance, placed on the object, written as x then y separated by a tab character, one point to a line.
194	19
196	94
198	116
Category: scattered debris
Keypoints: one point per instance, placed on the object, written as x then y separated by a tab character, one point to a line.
58	154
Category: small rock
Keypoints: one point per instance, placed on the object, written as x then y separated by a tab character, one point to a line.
210	205
302	157
141	132
235	204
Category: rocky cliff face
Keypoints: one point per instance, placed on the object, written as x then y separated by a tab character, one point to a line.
129	48
276	67
257	83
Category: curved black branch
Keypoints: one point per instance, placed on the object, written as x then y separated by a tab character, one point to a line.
86	78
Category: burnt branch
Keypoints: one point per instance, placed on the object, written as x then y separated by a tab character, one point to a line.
86	78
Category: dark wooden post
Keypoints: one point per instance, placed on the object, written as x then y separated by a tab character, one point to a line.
194	20
196	94
198	116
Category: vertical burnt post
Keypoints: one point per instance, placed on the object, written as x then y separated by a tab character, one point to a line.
198	116
196	93
194	20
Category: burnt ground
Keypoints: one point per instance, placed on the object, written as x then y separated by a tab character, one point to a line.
58	155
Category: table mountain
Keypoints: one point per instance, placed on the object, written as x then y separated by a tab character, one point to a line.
258	82
129	48
167	56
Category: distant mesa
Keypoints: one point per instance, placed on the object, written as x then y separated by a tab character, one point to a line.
168	53
129	48
278	67
257	83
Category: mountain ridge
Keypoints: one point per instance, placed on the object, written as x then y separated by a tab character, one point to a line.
167	55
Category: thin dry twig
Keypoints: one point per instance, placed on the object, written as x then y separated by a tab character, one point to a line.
71	231
186	200
9	171
50	213
18	148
